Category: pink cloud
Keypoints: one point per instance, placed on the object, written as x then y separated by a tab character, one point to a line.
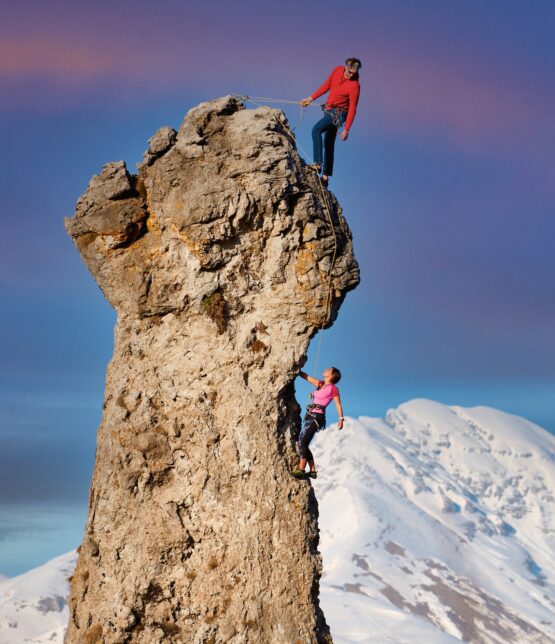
455	97
409	85
52	57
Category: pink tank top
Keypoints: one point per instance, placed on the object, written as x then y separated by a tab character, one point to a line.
324	396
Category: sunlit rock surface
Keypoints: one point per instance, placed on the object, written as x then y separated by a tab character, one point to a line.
217	257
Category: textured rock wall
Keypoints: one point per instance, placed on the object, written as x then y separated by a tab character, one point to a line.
216	258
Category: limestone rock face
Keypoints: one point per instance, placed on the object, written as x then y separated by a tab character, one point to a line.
217	257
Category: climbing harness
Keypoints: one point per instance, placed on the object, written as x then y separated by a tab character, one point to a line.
316	417
336	117
311	407
335	114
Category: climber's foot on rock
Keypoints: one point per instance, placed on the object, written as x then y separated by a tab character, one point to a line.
299	474
313	474
325	181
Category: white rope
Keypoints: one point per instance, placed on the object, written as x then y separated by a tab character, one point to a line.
327	307
317	357
255	100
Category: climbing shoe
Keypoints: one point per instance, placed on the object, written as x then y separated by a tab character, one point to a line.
298	474
325	182
313	475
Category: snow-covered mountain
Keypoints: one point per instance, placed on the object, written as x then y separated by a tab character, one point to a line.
437	525
33	605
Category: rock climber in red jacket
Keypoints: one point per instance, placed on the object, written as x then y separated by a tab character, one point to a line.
339	109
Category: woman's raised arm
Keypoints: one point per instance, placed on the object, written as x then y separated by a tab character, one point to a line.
311	380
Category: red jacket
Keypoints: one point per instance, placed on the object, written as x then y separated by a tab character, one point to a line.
344	93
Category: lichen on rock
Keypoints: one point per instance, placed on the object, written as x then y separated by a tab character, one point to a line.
217	257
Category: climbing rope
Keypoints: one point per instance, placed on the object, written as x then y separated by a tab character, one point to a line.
258	100
253	99
327	306
332	264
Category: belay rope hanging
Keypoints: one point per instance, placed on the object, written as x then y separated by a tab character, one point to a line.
259	100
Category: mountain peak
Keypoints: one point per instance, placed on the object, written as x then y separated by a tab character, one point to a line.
444	515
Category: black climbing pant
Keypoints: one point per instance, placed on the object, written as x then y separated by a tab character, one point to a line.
311	424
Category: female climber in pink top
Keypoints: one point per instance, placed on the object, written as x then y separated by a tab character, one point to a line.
340	109
315	418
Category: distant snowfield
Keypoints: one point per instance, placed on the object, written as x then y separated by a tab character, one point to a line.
33	605
437	525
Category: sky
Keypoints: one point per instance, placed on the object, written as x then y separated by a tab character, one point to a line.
447	181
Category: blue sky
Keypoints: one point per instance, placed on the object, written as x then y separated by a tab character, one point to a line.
447	181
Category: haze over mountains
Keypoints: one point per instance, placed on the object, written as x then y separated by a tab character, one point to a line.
436	526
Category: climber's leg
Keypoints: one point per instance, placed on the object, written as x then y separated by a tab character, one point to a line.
317	131
310	427
311	463
329	149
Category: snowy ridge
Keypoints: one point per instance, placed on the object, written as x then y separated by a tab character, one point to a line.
437	525
33	605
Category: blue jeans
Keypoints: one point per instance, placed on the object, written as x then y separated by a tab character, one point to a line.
328	129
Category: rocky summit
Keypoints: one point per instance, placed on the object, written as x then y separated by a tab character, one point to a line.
222	256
